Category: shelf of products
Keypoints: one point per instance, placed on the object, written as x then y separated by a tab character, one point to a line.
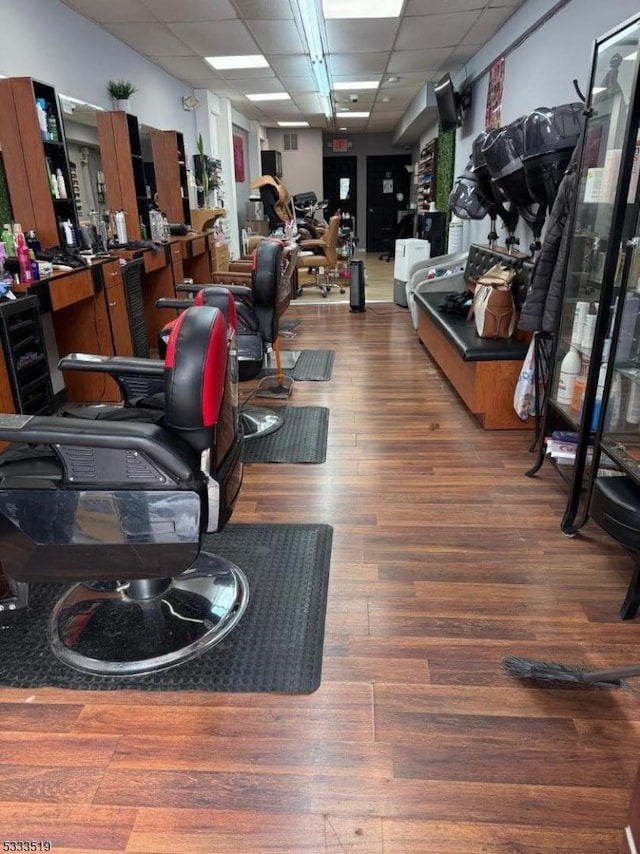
595	362
426	176
35	158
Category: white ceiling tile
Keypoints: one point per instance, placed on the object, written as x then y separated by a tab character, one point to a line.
362	36
308	103
189	10
487	24
393	106
445	30
237	75
348	64
290	66
186	66
299	84
150	39
264	10
116	11
276	36
417	7
513	3
462	53
219	38
419	61
258	85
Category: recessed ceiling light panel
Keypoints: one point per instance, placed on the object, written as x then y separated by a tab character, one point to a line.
250	61
362	8
354	87
293	124
351	115
269	96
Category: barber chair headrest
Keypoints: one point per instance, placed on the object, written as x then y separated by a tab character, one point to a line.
196	375
221	298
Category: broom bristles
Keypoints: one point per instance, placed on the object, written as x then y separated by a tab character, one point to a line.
551	671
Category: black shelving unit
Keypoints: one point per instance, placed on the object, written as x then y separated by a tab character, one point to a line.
26	356
184	186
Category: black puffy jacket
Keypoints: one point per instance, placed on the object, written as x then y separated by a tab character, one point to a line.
543	300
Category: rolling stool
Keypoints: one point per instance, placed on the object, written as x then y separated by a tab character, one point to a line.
615	506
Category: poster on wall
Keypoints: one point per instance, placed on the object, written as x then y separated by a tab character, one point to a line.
493	113
238	158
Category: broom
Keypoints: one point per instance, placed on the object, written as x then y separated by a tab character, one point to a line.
549	671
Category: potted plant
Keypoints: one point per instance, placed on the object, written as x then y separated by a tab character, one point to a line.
121	91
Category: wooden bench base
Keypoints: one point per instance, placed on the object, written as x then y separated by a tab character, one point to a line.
486	387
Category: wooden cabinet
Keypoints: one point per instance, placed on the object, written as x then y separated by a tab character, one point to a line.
219	257
171	175
115	296
32	156
175	253
122	164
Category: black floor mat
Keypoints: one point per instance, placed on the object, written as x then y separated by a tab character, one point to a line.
276	646
311	365
301	439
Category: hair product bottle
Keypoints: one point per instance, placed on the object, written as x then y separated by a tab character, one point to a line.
570	368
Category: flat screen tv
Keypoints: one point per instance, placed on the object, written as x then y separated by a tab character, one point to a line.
448	101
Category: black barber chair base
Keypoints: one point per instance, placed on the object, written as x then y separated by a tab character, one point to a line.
257	421
138	627
615	507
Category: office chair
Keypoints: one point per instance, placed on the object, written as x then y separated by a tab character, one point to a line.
322	254
121	510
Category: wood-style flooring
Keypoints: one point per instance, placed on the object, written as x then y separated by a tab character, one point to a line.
445	559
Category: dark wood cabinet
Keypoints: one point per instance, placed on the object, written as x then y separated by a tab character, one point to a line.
170	168
123	167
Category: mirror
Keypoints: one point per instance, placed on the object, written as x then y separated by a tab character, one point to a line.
83	150
147	162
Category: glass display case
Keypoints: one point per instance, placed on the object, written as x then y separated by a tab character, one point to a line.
602	261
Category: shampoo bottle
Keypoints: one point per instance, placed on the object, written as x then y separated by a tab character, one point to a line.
121	227
62	187
569	370
24	261
42	118
52	127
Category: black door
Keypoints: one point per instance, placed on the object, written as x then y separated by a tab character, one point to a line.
388	190
340	185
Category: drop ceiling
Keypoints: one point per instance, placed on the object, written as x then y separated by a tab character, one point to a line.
402	54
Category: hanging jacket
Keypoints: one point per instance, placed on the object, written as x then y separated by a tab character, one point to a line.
543	300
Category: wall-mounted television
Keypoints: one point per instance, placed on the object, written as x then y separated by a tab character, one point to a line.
449	104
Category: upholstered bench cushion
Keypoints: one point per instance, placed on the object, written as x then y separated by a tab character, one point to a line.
462	334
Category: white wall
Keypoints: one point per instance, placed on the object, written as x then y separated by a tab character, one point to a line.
537	73
48	41
301	169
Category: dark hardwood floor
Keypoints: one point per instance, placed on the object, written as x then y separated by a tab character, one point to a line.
446	558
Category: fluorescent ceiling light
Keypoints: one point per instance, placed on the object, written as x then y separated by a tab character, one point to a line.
270	96
309	15
352	87
351	115
249	61
341	128
327	107
362	8
293	124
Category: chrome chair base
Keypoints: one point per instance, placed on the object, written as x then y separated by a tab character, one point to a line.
288	359
138	627
259	421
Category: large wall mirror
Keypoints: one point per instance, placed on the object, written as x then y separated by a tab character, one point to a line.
83	150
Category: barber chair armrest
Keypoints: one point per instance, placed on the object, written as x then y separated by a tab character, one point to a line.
240	266
312	244
169	302
128	366
170	454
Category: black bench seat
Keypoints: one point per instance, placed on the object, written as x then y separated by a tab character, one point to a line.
462	334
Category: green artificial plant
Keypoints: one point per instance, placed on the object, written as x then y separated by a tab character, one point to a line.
121	90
